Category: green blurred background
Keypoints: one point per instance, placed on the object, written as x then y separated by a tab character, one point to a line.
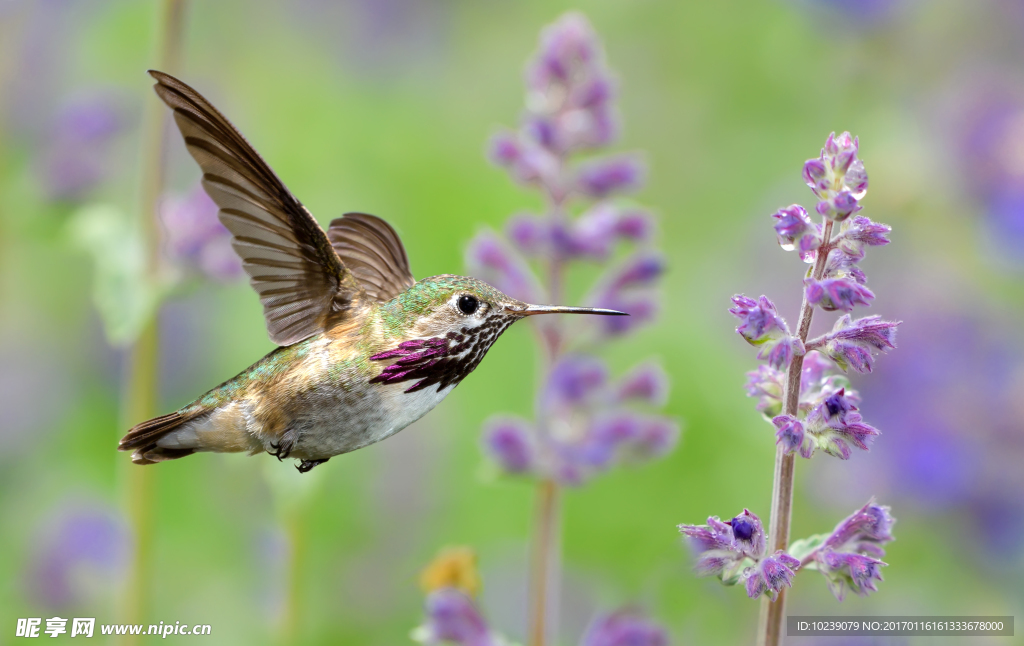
385	107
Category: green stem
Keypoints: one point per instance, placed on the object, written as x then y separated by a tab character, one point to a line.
141	385
773	612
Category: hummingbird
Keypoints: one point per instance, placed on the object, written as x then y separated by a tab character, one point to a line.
364	349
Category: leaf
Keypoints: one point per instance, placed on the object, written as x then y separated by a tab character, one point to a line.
123	293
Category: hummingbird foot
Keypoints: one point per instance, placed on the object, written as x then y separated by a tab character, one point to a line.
282	450
308	465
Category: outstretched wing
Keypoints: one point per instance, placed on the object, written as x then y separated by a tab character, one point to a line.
302	283
373	252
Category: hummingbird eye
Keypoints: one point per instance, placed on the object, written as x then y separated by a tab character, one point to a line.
468	304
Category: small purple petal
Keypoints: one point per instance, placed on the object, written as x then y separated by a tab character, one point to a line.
509	441
624	628
837	293
646	382
620	173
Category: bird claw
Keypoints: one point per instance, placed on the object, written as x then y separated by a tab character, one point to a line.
281	451
307	465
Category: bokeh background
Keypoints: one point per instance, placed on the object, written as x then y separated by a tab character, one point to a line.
385	106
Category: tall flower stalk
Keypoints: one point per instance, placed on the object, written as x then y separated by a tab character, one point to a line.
582	423
141	383
802	392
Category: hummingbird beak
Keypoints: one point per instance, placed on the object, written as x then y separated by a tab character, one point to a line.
531	310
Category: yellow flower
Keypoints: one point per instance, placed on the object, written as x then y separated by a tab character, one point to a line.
453	567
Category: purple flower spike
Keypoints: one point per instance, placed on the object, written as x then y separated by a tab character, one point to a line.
796	231
771	575
620	173
832	294
509	441
453	617
624	628
647	382
491	259
852	344
837	177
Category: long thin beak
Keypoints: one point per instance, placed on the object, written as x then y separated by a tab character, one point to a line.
560	309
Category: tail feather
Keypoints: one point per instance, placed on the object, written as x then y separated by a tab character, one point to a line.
143	438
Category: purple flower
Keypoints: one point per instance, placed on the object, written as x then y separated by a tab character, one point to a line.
492	260
623	287
196	237
790	434
453	617
646	382
858	232
530	233
863	530
722	547
761	326
635	224
75	159
796	231
766	383
81	544
574	380
832	294
837	177
600	178
853	343
624	628
844	570
771	575
509	441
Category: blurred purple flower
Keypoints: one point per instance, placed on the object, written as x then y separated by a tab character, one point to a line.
76	157
576	379
600	178
530	233
452	617
624	628
196	238
491	259
646	382
509	441
80	544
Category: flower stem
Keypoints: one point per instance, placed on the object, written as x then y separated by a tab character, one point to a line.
772	612
544	560
143	362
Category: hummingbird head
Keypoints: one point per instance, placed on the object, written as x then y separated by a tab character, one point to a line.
447	324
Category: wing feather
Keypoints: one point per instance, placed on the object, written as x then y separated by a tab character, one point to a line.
373	252
303	284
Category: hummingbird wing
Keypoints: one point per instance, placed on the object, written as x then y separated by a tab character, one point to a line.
373	252
303	285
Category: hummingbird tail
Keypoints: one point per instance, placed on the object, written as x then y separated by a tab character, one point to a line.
143	438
